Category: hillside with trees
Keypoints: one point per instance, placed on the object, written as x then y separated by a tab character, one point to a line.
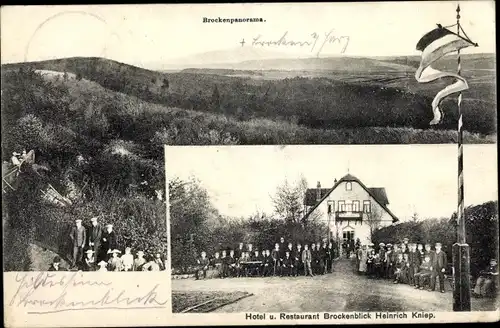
329	100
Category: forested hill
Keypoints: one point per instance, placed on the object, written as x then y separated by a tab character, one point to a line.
366	93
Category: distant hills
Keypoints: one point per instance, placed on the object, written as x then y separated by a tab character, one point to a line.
325	93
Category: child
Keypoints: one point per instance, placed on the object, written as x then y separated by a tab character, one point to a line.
88	264
159	261
139	261
102	266
127	260
55	266
370	263
115	263
151	264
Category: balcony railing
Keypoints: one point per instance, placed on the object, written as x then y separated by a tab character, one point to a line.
349	214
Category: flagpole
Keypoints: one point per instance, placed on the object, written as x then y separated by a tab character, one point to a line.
461	253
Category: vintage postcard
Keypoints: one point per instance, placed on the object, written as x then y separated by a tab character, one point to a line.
91	94
329	234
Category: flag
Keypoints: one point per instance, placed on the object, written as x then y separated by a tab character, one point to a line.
434	45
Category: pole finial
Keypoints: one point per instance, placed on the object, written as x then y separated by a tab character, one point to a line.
458	12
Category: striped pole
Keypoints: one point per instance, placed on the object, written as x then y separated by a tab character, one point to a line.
461	251
460	210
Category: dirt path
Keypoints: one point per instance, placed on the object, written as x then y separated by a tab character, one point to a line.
339	291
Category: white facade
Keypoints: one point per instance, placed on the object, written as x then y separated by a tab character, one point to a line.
351	211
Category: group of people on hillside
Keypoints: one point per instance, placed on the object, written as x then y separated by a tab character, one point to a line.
96	249
285	259
407	263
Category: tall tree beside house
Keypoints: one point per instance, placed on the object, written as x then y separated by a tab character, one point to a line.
374	220
288	200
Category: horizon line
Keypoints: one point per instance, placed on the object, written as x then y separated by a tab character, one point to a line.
172	63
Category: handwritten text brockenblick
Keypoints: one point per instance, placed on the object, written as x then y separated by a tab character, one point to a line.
55	293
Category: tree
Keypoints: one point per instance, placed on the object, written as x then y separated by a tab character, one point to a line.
215	100
373	219
191	213
165	84
288	201
415	218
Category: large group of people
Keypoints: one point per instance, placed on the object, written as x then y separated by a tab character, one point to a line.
408	263
285	259
96	249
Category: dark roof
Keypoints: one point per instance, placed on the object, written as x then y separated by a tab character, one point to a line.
310	198
378	194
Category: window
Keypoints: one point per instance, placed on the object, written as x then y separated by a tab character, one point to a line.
355	206
366	206
341	205
348	186
348	206
331	206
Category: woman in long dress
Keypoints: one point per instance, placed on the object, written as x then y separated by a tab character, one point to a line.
363	259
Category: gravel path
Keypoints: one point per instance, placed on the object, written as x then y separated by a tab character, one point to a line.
342	290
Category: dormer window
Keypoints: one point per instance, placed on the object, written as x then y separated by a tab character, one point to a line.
348	186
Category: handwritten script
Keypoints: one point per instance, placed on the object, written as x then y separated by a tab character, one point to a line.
316	43
48	292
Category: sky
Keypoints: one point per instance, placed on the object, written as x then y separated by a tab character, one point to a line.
418	178
151	35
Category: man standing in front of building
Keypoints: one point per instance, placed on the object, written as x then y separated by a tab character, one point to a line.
78	237
307	260
439	264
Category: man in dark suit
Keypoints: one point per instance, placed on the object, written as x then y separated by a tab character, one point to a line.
238	251
95	235
415	261
283	247
298	260
268	265
232	264
108	241
78	237
288	265
439	264
325	254
276	259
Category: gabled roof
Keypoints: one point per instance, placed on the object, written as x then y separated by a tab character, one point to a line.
310	197
378	194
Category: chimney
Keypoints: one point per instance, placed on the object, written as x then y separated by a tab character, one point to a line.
335	181
318	191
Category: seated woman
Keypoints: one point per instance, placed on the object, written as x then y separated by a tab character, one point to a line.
422	277
487	281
